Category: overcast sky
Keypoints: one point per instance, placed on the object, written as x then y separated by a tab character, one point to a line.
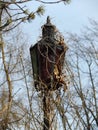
67	18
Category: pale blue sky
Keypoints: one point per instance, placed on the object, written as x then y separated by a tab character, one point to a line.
67	18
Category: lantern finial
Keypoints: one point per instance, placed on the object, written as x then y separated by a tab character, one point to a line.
48	20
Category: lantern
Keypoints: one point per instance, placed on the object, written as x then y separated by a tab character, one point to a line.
47	57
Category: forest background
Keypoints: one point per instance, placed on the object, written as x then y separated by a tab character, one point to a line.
20	104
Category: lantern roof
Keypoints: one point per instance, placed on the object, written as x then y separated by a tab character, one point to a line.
48	29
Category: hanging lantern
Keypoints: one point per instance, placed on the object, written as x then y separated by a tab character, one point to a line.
47	57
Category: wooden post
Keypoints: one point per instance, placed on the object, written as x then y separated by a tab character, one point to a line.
47	109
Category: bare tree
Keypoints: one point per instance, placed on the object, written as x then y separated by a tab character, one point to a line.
53	2
21	106
16	12
84	64
15	71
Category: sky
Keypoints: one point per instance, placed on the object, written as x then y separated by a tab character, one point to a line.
67	18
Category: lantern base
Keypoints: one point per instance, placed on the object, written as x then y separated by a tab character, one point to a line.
41	86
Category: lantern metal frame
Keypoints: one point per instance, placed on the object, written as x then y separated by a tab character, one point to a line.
47	57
